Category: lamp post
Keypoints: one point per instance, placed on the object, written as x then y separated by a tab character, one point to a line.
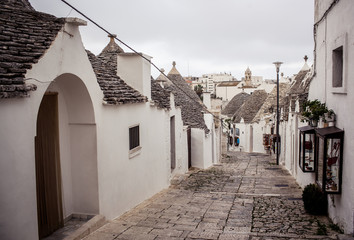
277	66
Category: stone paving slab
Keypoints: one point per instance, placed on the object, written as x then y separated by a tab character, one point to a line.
247	196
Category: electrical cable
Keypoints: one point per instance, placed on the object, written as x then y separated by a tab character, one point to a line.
140	54
34	79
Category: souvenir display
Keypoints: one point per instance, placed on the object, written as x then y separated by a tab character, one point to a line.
332	166
330	148
266	139
307	146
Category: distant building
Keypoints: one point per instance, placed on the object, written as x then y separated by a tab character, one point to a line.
248	84
191	80
226	90
211	80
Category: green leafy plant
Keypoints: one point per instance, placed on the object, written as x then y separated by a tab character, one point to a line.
312	111
336	228
199	91
322	228
315	201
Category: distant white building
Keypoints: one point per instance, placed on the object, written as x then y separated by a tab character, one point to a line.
211	80
227	90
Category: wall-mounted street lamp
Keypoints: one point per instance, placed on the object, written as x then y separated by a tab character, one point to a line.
277	67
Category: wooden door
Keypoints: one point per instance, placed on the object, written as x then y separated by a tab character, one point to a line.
189	141
48	174
173	142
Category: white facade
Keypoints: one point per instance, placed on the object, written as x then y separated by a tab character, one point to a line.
335	30
211	80
99	174
226	91
206	146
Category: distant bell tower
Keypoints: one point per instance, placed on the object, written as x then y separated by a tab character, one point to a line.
248	77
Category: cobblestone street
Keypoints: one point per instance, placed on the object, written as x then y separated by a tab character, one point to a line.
247	196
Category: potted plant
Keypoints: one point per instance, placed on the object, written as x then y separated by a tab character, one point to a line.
315	201
314	110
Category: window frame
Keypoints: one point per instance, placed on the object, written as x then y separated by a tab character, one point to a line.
134	148
340	42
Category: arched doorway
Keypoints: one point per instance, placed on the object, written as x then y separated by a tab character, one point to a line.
48	174
66	154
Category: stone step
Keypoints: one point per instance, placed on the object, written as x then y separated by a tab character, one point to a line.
92	225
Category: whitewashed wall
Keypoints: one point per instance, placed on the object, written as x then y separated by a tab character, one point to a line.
227	93
338	29
19	117
98	174
125	180
181	141
258	130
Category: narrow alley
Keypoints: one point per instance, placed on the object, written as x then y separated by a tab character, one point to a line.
247	196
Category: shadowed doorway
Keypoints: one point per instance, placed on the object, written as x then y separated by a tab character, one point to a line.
48	174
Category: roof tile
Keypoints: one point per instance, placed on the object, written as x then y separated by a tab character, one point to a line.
160	95
115	90
251	107
187	99
25	35
234	104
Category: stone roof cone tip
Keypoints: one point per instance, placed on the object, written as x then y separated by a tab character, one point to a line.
112	46
306	66
174	70
162	77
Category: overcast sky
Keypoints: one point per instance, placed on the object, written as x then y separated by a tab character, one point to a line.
202	36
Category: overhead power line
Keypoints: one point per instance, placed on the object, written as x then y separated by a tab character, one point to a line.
140	54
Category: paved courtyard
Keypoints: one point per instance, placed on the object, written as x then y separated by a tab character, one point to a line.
247	196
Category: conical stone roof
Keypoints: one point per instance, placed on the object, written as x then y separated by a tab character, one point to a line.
191	106
235	103
251	107
174	70
110	53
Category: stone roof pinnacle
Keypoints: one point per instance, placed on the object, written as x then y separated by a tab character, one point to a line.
305	67
174	70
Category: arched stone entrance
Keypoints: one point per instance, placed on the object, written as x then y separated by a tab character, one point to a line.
66	144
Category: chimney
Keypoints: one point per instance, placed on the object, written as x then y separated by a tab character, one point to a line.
207	100
135	71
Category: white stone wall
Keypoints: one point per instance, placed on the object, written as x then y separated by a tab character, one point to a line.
337	29
19	118
204	146
99	176
258	130
227	93
126	180
181	142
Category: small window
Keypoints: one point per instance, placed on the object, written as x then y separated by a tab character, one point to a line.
337	61
134	140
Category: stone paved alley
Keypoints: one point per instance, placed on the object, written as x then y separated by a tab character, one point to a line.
247	196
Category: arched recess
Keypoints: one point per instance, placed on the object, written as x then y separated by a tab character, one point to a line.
77	178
